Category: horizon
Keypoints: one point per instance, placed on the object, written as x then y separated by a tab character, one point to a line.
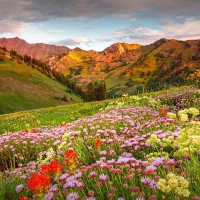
95	25
96	50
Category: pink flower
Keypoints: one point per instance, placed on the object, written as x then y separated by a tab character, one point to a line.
19	188
103	178
186	155
153	197
149	170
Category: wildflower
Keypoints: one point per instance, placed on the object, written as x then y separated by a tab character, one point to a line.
163	111
186	155
53	167
49	196
24	198
38	183
171	115
112	189
93	174
149	169
103	178
98	144
91	193
193	111
110	196
134	189
140	198
153	197
98	184
195	198
72	196
19	188
71	159
183	117
176	183
125	185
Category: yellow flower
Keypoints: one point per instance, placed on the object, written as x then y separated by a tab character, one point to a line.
171	115
173	182
183	117
193	111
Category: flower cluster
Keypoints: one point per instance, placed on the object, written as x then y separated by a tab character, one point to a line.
174	183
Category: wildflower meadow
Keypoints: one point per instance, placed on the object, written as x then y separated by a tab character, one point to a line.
130	148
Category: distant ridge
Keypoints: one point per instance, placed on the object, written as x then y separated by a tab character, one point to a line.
39	51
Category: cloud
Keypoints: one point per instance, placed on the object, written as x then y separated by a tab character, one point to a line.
188	29
44	10
74	41
7	26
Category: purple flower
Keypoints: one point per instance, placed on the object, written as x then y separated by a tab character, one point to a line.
72	196
19	188
158	161
153	185
49	196
93	174
103	178
149	169
140	198
146	181
54	188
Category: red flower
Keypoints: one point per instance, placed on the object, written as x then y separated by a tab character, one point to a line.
71	159
52	167
26	131
24	198
98	144
70	156
163	111
38	183
33	130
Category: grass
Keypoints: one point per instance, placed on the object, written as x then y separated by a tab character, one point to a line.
24	88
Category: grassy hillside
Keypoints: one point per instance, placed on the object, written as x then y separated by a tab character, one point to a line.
22	88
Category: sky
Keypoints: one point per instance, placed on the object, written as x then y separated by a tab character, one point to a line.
97	24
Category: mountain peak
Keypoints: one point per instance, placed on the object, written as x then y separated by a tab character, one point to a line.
120	48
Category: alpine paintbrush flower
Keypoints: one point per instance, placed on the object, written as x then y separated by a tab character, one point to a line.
71	160
38	183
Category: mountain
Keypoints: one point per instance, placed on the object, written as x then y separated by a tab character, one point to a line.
39	51
125	68
23	87
132	68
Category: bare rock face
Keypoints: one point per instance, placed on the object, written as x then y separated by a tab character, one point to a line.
39	51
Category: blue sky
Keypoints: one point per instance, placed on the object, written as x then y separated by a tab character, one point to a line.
96	24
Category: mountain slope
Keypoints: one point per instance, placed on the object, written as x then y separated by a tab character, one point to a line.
129	68
22	88
39	51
